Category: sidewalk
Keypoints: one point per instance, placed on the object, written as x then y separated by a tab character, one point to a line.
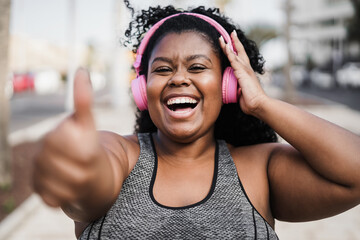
35	221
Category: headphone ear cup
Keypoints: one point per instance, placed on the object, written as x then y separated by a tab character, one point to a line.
138	88
230	91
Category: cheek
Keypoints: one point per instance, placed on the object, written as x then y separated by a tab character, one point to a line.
213	88
213	97
153	93
153	90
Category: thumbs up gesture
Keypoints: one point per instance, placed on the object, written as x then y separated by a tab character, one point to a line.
71	163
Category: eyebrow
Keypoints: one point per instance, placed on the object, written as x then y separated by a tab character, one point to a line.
162	59
192	57
189	58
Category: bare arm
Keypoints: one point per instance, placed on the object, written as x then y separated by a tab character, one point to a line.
318	175
78	168
317	178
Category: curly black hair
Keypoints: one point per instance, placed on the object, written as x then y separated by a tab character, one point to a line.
232	125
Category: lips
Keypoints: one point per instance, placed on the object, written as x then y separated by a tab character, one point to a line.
181	103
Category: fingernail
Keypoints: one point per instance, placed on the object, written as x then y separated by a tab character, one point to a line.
80	70
234	31
222	39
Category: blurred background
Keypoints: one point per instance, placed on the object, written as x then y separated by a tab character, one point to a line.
311	48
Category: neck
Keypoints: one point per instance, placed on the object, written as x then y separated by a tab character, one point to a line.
185	153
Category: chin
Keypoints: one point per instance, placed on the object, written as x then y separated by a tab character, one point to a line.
184	135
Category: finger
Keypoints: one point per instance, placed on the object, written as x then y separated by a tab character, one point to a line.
54	192
45	194
83	97
51	200
228	52
222	43
239	47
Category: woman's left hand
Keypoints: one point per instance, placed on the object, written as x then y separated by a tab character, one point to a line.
252	95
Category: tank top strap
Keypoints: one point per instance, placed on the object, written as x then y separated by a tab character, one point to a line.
146	144
227	173
145	164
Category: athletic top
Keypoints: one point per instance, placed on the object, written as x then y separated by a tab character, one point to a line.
225	213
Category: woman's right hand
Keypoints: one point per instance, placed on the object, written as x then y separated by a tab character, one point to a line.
71	163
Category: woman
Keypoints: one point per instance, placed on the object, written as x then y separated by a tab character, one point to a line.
199	167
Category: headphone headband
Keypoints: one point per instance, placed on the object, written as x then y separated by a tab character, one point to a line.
153	29
230	91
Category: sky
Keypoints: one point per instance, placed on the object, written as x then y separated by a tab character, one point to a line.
49	20
94	19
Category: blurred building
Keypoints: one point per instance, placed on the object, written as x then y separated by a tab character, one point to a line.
41	65
29	54
319	32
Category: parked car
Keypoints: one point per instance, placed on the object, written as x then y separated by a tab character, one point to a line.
299	75
349	75
23	82
321	78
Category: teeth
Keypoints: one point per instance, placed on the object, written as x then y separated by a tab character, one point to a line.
181	100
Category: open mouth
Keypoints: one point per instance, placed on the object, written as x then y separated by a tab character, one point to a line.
181	103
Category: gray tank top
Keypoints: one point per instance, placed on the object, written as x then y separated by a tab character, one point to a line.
225	213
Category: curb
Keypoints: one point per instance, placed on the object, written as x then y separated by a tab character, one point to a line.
34	132
19	216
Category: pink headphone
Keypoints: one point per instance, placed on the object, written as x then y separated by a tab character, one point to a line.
138	85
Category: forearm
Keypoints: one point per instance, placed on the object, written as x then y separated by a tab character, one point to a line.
330	150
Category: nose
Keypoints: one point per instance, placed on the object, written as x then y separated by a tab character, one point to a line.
180	78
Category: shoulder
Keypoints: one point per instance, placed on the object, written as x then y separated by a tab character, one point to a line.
113	141
257	155
125	148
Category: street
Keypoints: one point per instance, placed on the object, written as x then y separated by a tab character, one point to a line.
347	96
28	108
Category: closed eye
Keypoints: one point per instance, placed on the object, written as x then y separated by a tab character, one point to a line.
162	70
197	68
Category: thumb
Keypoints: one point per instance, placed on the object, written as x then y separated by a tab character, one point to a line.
83	98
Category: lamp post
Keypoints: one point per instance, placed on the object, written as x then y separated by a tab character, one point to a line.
69	100
289	91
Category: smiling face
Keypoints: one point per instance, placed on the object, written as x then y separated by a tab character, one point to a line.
184	86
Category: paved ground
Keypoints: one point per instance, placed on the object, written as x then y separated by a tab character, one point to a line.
35	221
345	226
346	96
